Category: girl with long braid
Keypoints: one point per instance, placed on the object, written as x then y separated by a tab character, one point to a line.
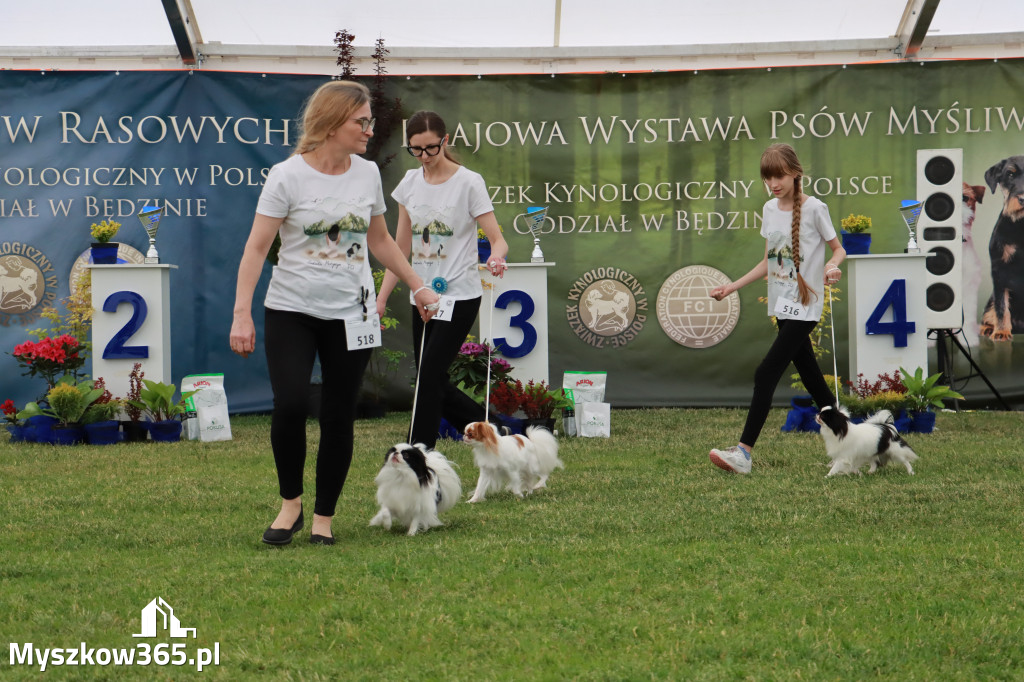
796	229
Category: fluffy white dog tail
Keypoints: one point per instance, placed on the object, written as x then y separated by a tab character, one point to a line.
547	450
448	480
880	417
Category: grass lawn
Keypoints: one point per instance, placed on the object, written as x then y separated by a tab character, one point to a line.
641	561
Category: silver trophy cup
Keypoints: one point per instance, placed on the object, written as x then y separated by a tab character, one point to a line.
911	211
535	216
150	218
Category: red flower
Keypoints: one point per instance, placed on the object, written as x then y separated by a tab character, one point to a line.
9	408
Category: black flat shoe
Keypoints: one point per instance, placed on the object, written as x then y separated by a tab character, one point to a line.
282	536
321	539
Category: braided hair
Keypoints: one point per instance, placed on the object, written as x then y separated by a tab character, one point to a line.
779	160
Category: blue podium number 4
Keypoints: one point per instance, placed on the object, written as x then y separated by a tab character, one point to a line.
116	348
895	297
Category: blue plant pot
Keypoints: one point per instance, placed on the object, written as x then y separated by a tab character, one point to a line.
68	435
446	430
39	429
922	422
166	431
514	424
483	250
104	253
801	417
902	422
856	243
17	433
103	433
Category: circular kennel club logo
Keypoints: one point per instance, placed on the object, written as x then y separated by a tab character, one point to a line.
689	315
607	306
27	283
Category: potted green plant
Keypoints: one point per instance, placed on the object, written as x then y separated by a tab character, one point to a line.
856	238
67	403
15	426
100	418
157	400
924	395
132	427
104	251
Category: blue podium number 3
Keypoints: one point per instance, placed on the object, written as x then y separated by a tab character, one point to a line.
527	308
116	348
895	297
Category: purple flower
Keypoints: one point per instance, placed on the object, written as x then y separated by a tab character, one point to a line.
499	364
474	349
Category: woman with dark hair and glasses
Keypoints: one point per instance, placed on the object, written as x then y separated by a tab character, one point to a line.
440	206
327	205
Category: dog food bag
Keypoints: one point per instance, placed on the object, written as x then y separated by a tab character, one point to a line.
206	416
586	387
595	420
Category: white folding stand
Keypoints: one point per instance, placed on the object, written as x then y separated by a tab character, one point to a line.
887	314
131	323
519	318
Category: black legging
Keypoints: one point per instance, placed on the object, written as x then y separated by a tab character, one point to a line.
293	340
793	344
437	396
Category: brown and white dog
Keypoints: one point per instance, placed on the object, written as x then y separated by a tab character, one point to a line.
521	464
1004	313
973	195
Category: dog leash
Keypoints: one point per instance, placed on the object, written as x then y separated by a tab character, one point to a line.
416	390
832	334
490	327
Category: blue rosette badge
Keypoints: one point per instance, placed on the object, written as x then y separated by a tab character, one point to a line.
439	285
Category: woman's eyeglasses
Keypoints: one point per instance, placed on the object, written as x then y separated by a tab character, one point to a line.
366	123
429	150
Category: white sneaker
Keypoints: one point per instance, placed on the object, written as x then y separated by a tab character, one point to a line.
733	459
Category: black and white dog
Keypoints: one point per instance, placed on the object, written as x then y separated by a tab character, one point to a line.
874	442
414	486
1004	313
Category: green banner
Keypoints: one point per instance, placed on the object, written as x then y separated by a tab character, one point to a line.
650	179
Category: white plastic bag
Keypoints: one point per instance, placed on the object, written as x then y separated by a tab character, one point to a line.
596	420
206	416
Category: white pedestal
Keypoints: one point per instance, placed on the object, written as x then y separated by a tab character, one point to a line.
518	318
883	289
131	323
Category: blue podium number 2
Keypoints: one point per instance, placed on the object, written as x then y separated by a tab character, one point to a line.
116	348
895	297
520	321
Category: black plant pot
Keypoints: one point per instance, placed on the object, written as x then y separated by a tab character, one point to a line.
134	432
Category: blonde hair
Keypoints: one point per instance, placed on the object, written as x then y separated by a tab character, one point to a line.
326	109
776	161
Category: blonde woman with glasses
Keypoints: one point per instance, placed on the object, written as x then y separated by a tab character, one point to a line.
327	205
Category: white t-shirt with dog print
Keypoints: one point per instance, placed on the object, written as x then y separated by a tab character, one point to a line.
323	267
816	230
444	228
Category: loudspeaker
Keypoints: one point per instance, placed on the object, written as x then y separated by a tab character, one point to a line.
940	234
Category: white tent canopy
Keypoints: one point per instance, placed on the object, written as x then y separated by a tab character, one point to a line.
477	37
